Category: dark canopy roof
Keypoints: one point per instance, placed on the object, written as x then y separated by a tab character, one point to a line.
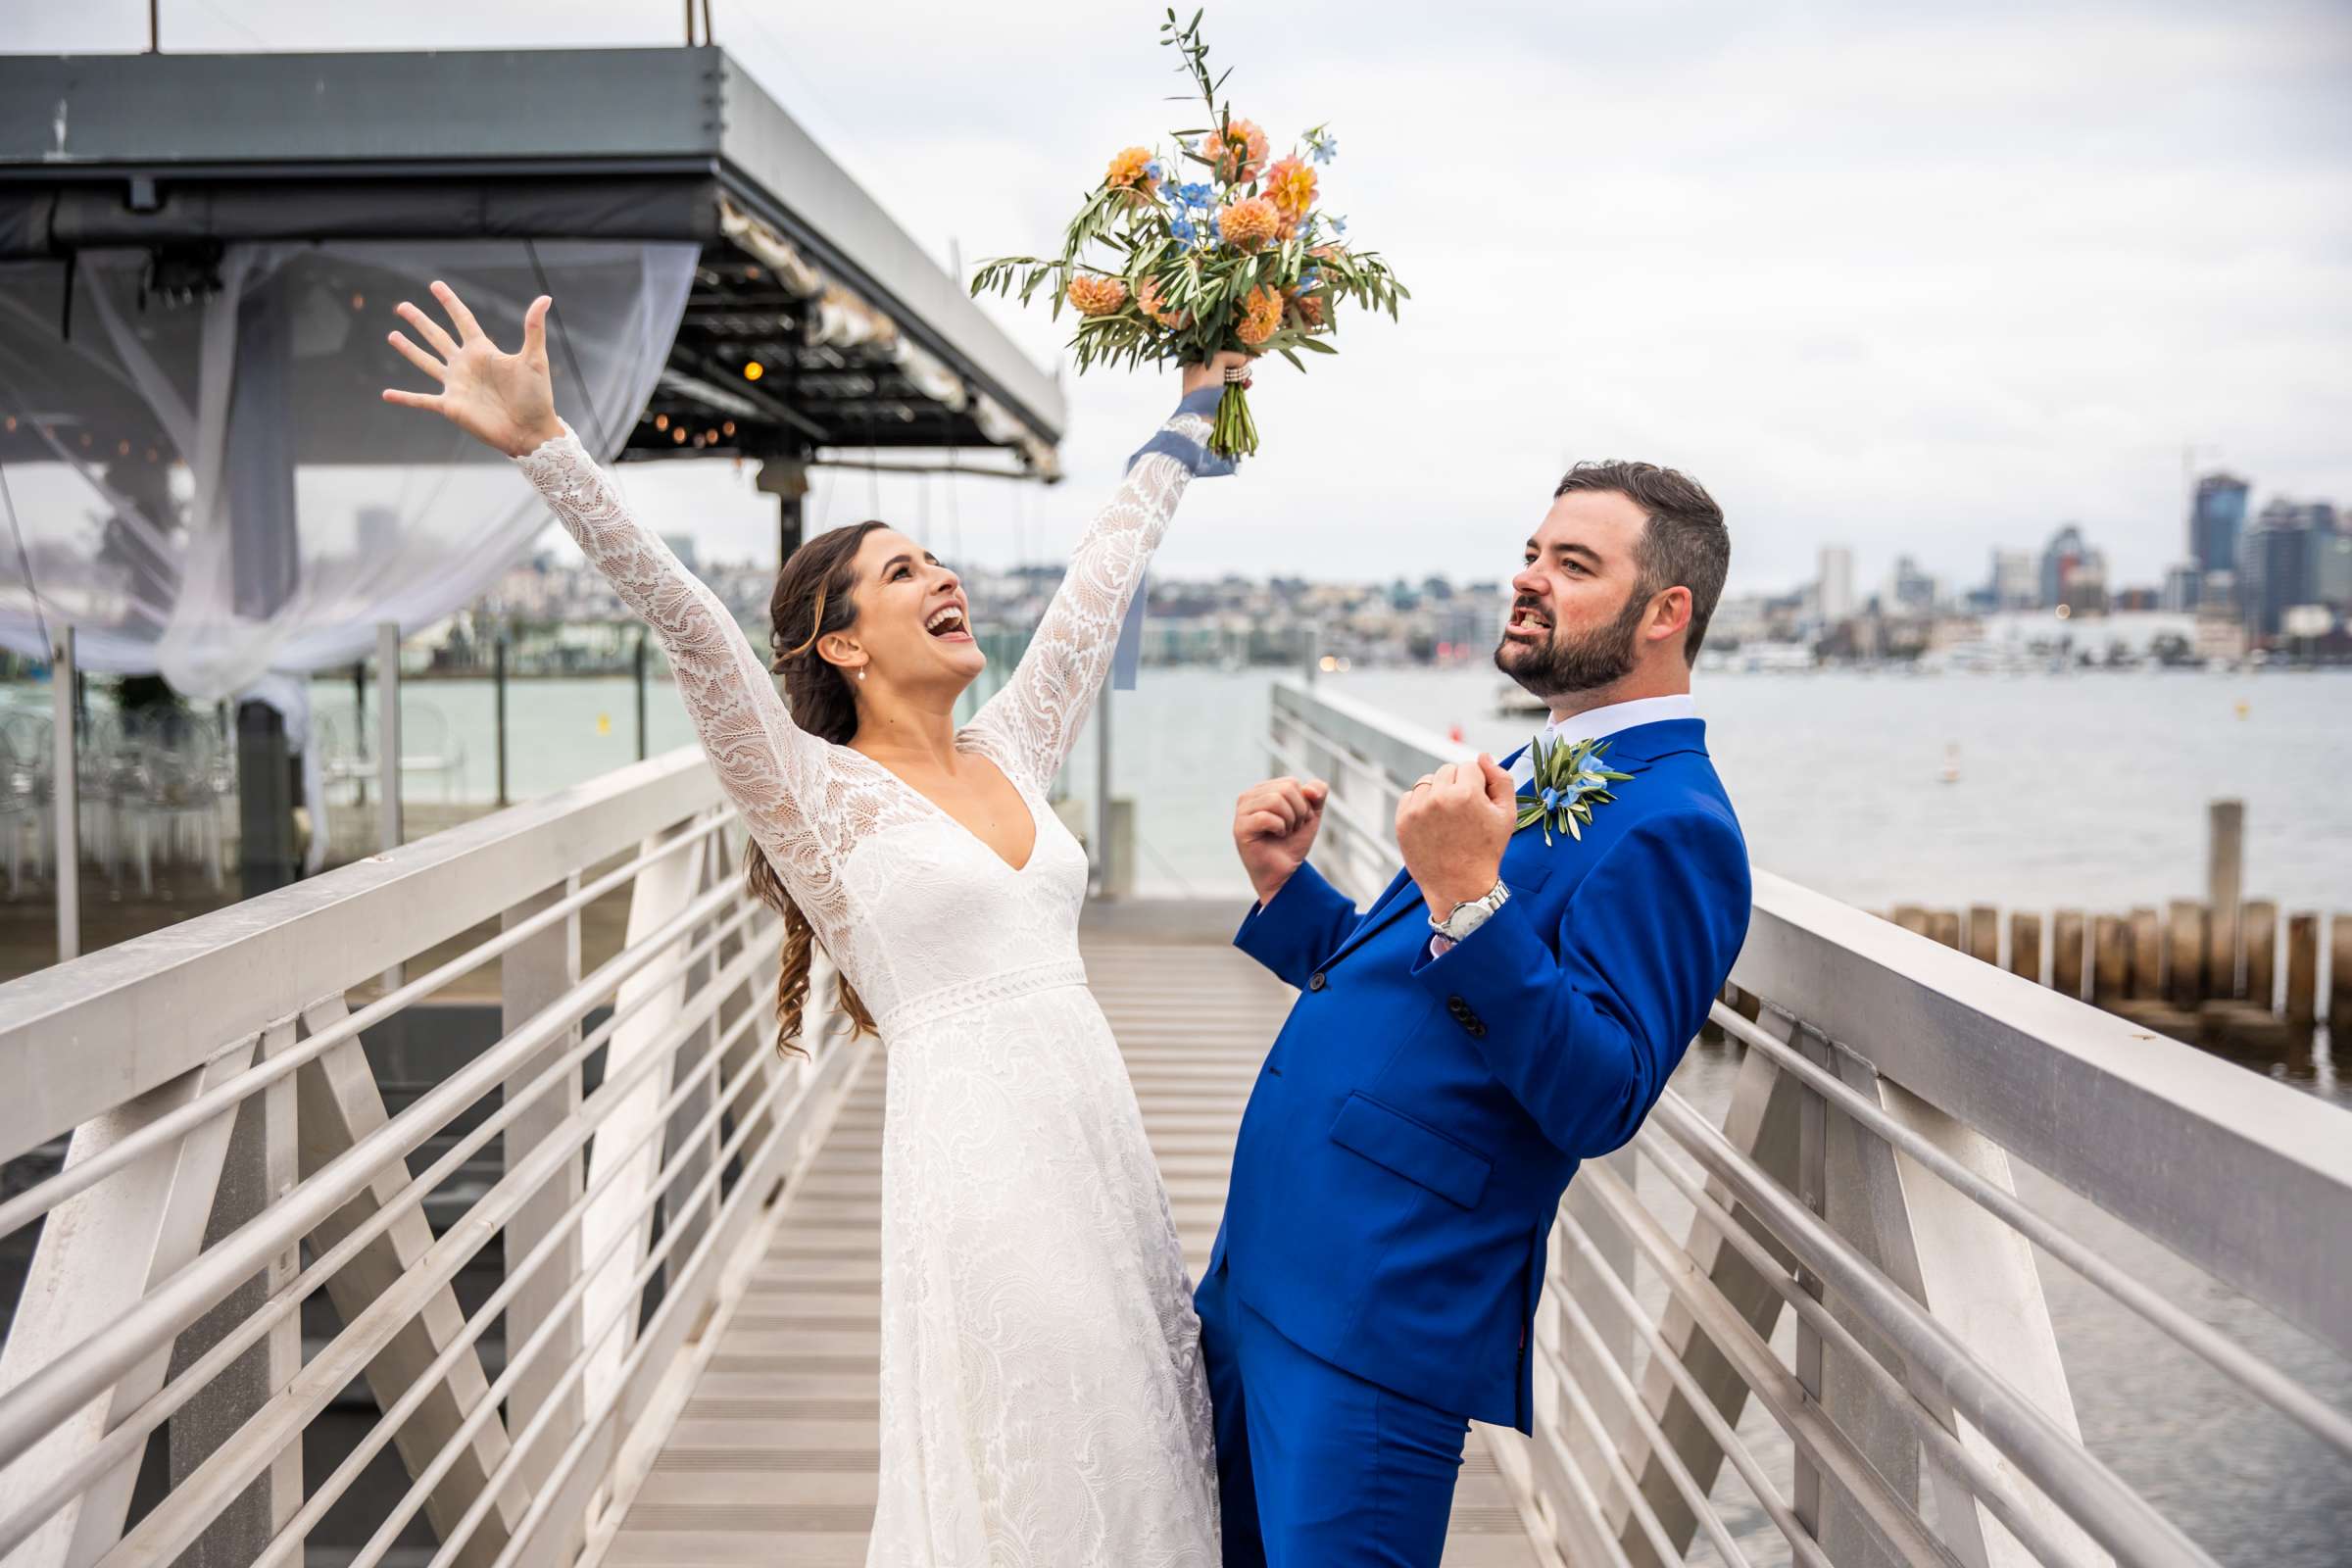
857	337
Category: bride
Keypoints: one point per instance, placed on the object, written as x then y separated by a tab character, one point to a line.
1042	1401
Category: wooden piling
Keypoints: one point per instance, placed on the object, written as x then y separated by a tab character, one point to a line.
1911	917
2224	867
2185	955
1944	925
2024	946
2339	983
2258	922
2148	956
2302	969
2110	960
2066	952
1985	933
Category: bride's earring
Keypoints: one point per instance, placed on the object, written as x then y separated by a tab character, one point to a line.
861	675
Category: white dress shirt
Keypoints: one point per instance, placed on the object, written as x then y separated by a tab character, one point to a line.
1592	724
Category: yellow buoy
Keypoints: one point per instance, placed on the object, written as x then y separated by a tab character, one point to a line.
603	723
2244	708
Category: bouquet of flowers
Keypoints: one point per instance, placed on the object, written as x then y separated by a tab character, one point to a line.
1240	258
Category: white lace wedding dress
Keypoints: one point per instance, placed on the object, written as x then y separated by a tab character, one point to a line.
1042	1401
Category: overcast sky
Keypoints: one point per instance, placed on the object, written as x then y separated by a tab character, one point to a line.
1914	278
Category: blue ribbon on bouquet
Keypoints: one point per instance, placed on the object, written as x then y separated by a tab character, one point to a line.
1127	657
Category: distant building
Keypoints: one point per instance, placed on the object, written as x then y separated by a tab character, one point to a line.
2216	518
681	545
2276	558
2331	569
1835	587
2073	573
2183	587
1910	589
2016	582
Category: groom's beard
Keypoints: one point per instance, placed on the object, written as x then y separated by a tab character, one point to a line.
1599	658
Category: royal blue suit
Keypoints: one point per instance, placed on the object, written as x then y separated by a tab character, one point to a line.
1411	1135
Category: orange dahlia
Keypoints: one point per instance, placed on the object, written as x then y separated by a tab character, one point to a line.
1290	187
1131	167
1249	222
1262	314
1240	154
1311	308
1148	300
1096	296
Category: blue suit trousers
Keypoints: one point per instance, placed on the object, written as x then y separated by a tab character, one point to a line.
1316	1467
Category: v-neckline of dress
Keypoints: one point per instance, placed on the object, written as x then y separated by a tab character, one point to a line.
1037	830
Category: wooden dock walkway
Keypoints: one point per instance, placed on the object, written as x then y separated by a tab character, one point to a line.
772	1458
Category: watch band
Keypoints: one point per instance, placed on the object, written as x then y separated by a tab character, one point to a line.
1465	918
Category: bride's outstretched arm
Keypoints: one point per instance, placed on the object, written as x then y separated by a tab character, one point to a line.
767	765
1035	717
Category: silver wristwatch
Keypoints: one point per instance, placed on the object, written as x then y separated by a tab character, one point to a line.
1468	917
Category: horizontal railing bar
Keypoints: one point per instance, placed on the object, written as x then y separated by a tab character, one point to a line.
1817	1438
1626	1210
49	1394
1806	1551
2225	1354
2116	1516
551	1484
2256	1184
617	1164
130	1434
81	1037
39	1200
1403	751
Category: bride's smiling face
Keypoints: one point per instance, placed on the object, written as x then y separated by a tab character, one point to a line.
913	624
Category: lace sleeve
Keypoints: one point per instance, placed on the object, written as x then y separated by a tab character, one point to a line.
1033	720
770	769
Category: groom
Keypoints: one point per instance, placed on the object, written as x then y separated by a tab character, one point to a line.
1507	1008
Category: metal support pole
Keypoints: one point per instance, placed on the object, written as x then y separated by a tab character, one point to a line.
387	748
498	679
1103	793
65	795
640	661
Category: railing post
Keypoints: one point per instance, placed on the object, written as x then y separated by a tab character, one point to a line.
387	751
65	795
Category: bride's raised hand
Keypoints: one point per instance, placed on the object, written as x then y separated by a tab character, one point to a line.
1197	376
505	400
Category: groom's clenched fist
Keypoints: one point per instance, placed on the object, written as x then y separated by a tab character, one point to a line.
1453	827
1274	827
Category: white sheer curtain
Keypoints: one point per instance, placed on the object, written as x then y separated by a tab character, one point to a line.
202	477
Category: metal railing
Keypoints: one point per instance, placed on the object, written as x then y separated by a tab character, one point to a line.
502	1281
1844	1250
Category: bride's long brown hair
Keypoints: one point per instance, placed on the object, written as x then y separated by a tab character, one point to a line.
812	599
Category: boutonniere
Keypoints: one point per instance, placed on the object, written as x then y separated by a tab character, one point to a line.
1569	781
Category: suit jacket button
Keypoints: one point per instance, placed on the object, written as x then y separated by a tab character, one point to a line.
1315	981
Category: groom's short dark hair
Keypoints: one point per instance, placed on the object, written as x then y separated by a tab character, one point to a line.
1686	543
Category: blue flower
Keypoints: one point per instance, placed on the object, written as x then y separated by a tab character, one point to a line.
1179	228
1195	195
1322	146
1152	171
1339	227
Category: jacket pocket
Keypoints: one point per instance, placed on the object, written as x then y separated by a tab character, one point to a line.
1420	1155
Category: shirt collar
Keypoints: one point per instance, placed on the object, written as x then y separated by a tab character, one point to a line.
1598	721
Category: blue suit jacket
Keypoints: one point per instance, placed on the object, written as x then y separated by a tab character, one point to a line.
1412	1130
